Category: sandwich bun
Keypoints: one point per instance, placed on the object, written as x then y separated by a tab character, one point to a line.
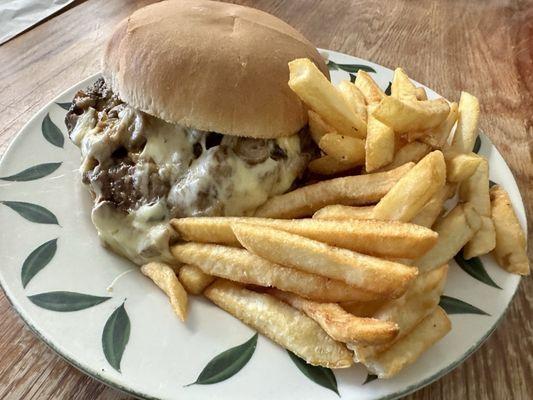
211	66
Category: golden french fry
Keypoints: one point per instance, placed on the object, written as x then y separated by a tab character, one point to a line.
409	195
339	324
317	126
378	238
402	88
420	300
379	144
165	278
375	275
344	212
350	190
345	149
483	241
475	189
438	137
510	250
467	124
193	279
433	208
241	266
368	87
460	166
328	165
407	350
354	97
421	94
455	230
406	116
411	152
321	96
280	322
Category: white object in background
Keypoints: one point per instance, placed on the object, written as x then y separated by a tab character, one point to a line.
18	15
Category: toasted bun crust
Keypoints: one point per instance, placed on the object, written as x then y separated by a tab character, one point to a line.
211	66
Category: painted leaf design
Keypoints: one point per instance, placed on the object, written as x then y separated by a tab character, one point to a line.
227	363
350	68
37	260
370	378
51	132
455	306
64	106
353	77
492	183
388	89
477	145
115	336
66	301
32	212
32	173
320	375
475	268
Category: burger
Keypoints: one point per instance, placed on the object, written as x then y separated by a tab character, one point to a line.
192	117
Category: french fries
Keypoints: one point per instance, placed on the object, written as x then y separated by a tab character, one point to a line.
402	88
411	152
165	278
460	166
379	144
350	190
193	279
483	241
320	95
339	324
420	300
420	93
475	190
363	308
344	212
434	207
317	126
345	149
455	230
328	165
510	250
409	195
241	266
467	124
373	274
370	89
408	349
280	322
406	116
438	137
354	97
378	238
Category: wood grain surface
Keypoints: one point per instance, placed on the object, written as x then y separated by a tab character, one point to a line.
484	47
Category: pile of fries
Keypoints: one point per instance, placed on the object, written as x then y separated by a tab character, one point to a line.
351	269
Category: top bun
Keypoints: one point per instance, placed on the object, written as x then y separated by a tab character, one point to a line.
210	66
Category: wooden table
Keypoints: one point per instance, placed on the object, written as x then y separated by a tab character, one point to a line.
483	47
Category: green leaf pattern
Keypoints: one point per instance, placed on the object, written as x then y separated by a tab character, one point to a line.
37	260
51	132
66	301
474	267
455	306
32	212
115	336
33	173
227	363
320	375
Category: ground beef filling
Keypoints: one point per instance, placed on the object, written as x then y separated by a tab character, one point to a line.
129	162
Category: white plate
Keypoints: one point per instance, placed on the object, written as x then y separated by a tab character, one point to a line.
162	354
